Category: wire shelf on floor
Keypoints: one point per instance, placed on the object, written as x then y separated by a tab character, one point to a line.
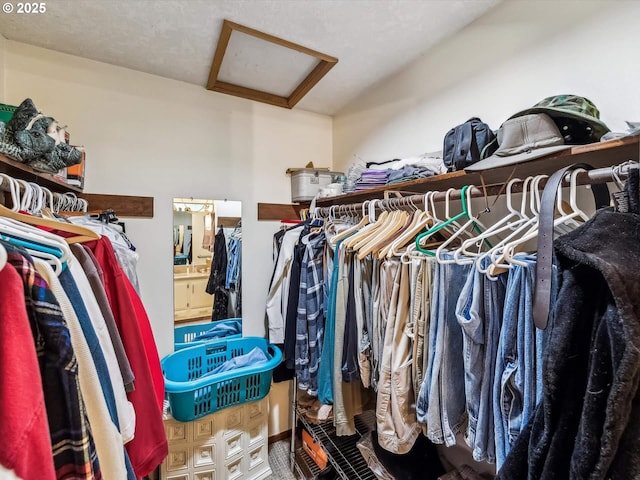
305	467
342	451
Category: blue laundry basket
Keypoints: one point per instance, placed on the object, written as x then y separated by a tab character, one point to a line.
192	397
183	337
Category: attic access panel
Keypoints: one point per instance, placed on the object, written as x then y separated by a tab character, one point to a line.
241	76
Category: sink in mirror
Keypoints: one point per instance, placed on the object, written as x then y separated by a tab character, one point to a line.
207	253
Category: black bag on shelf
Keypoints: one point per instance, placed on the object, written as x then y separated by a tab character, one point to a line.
468	143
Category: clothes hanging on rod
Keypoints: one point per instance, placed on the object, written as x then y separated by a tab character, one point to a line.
233	279
589	413
94	274
217	278
310	313
124	249
234	249
225	278
145	448
277	299
110	415
25	430
447	340
92	406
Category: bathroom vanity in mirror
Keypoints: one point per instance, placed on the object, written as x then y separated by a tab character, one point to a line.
207	245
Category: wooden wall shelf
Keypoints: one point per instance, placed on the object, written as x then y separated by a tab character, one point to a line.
599	155
279	211
228	221
603	154
25	172
124	205
130	206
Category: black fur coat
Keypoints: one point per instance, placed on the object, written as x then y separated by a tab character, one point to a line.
588	423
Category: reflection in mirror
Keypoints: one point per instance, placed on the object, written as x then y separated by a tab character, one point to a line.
207	247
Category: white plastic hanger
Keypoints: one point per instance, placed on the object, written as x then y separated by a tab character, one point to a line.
47	198
355	228
81	234
52	260
412	253
419	221
26	195
576	211
496	253
37	239
473	221
35	235
455	225
511	249
14	189
509	222
560	204
3	256
58	200
38	200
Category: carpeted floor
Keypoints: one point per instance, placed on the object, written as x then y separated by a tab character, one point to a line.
280	461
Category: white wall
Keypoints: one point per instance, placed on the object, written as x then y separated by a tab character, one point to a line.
508	60
147	135
227	208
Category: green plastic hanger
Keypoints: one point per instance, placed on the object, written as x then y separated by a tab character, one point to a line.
463	214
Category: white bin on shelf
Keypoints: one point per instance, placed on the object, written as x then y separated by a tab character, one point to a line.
307	182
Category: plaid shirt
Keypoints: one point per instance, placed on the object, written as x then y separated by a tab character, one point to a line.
74	453
310	319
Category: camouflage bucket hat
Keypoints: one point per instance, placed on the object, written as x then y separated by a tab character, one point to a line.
576	117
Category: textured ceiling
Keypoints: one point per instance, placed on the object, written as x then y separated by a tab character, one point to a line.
176	38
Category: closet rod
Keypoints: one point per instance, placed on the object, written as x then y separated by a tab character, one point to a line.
599	175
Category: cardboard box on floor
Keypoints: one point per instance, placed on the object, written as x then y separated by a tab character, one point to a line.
314	450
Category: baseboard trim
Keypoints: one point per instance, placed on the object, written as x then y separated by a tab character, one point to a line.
279	436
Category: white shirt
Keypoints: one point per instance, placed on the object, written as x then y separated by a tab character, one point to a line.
107	438
127	258
279	292
126	412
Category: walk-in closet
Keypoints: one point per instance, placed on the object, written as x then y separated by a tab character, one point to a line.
319	240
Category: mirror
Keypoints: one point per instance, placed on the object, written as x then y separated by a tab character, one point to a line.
207	248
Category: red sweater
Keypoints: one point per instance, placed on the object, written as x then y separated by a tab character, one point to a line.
149	447
24	430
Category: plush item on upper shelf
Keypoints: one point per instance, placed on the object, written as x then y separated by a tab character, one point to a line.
37	140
